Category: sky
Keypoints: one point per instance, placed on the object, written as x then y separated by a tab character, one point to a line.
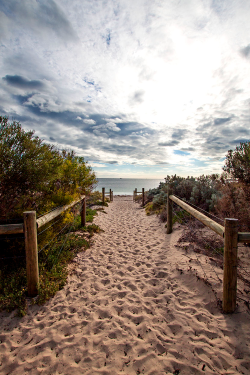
140	88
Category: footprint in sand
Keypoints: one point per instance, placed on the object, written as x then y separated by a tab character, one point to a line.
105	281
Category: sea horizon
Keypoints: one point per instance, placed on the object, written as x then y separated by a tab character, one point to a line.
126	186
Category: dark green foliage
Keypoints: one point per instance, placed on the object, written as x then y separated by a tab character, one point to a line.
53	262
93	228
53	266
13	289
27	165
235	201
159	200
94	197
153	192
212	193
237	163
206	192
90	215
99	203
180	186
181	216
35	175
202	192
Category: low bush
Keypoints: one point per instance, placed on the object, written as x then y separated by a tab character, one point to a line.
53	260
149	208
160	200
203	192
93	228
235	203
37	176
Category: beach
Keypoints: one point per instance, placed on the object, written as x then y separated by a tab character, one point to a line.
134	303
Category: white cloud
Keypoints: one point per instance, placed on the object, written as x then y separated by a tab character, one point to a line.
153	67
89	121
99	129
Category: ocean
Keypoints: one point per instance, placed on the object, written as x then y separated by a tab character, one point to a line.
126	186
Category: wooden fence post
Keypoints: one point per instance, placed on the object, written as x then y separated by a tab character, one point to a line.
143	197
169	213
83	212
110	195
30	235
135	194
230	265
103	195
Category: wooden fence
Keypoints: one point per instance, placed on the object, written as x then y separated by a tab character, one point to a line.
135	192
111	196
29	228
231	238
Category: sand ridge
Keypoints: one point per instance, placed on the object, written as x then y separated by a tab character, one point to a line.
128	309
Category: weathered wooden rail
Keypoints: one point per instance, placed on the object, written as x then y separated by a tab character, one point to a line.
135	192
111	196
231	238
29	228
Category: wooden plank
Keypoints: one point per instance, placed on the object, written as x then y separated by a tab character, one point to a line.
51	215
230	266
83	212
11	228
103	196
30	234
243	237
169	213
203	218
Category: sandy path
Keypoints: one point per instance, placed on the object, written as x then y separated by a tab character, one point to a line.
127	310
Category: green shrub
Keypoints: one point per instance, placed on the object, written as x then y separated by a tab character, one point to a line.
93	228
159	200
90	215
53	261
99	203
149	208
203	192
94	197
180	216
35	175
237	163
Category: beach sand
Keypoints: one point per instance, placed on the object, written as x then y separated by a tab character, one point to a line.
132	305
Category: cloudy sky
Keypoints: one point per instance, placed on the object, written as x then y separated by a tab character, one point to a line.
140	88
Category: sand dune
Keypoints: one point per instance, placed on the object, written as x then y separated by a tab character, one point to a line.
131	306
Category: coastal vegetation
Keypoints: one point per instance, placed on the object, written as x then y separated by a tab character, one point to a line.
225	195
36	176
